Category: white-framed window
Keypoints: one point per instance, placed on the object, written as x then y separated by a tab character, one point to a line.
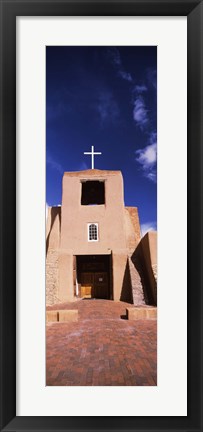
92	229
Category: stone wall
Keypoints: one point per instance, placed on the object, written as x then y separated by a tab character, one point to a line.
132	229
145	260
52	277
136	284
52	254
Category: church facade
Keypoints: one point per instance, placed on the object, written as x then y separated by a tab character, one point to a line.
94	247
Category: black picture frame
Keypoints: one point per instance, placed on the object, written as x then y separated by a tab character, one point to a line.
193	9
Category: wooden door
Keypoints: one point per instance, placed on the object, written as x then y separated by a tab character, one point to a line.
101	285
94	285
87	285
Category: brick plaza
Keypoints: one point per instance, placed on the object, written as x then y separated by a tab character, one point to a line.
102	348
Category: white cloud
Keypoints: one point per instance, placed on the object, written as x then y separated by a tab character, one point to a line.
146	227
140	88
147	158
140	113
125	75
115	59
151	175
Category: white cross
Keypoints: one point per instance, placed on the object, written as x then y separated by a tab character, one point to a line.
92	153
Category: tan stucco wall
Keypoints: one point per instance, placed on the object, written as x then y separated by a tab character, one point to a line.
110	216
74	226
66	283
132	228
53	227
119	261
149	246
149	252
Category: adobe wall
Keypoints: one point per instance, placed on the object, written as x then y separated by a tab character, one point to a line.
74	227
109	216
147	254
119	235
66	282
52	254
132	228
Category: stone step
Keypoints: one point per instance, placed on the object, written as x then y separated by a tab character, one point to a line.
145	312
62	315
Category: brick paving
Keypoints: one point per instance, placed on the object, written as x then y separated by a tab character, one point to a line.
102	348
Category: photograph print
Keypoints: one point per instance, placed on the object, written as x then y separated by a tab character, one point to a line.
101	216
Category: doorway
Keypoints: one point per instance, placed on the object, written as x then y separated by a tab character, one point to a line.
94	276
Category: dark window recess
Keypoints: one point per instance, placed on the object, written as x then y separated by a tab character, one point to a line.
92	193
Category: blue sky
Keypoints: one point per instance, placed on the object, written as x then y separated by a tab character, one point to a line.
106	97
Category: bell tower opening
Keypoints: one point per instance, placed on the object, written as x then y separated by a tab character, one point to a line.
92	192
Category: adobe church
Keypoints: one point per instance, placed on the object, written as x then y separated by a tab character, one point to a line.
94	247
